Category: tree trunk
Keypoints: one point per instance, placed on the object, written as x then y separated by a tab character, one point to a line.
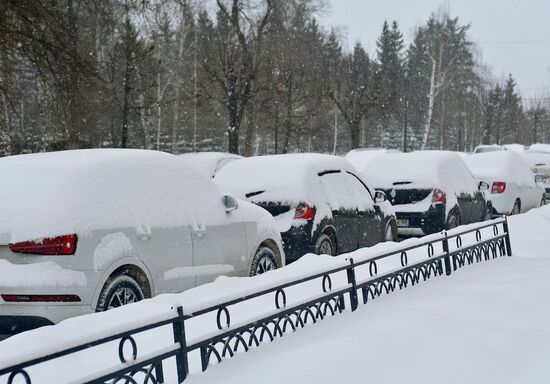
431	97
250	132
355	130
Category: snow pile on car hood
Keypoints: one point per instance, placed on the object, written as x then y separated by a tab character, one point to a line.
501	165
51	194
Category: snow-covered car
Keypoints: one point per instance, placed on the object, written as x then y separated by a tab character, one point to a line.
429	190
361	157
518	148
89	230
320	203
539	161
514	189
540	147
489	148
209	163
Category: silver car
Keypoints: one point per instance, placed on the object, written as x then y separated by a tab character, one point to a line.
90	230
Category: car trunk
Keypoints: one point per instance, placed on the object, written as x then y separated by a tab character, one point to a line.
399	196
274	208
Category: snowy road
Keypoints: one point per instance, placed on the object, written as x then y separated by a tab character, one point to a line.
488	323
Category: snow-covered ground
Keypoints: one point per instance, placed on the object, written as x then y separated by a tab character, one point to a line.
485	323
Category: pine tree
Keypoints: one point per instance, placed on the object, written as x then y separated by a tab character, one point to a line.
389	81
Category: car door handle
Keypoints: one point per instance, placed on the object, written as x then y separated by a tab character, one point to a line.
144	232
199	230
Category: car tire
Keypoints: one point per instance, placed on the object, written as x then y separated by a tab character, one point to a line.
325	245
543	202
516	210
453	221
264	261
118	291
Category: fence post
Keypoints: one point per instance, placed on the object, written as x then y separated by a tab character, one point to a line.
182	363
447	257
507	238
351	280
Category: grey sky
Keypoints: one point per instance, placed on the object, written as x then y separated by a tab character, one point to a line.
514	36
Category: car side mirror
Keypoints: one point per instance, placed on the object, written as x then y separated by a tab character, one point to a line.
380	197
539	179
483	186
230	203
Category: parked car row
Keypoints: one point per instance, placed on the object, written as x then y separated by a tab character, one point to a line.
91	230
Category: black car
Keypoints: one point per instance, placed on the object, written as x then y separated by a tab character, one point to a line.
430	191
319	202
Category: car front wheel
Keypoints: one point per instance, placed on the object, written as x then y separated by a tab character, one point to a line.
264	261
118	291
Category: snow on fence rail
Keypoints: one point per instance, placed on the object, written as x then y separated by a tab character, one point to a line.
337	288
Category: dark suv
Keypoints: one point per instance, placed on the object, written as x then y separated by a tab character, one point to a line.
319	202
429	190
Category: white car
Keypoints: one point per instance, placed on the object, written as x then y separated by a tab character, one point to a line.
209	163
539	161
540	147
513	186
518	148
89	230
489	148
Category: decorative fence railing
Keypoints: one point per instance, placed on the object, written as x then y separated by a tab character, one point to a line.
358	281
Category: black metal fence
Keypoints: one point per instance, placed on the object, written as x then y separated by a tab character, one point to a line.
347	285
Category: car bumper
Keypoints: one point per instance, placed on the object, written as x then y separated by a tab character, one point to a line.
16	318
421	223
296	243
502	203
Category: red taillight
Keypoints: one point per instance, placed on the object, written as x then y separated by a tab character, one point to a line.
498	187
304	211
61	245
438	196
41	298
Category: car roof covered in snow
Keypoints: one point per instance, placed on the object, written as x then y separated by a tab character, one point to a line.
209	163
501	165
288	178
51	194
540	147
361	157
422	169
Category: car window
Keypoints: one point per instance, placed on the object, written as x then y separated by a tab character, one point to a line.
360	191
363	184
343	191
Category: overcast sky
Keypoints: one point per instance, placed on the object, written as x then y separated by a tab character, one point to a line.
513	35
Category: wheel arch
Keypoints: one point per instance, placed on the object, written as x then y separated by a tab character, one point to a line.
272	244
132	267
330	231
